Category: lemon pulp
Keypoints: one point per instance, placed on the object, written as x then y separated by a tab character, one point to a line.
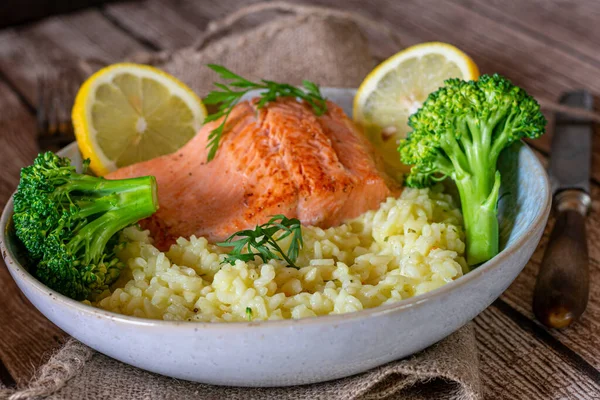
128	113
398	87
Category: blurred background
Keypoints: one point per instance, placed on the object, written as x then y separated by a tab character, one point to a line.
13	12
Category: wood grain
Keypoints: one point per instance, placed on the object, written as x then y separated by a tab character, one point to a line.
19	11
571	26
517	364
29	334
495	47
18	135
156	22
58	42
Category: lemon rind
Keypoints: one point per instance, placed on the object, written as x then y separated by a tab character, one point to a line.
467	66
81	114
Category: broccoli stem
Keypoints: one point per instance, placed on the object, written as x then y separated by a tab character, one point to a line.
99	186
479	197
124	203
459	133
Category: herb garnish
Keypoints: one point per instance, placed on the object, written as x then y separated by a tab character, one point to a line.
227	98
249	313
263	240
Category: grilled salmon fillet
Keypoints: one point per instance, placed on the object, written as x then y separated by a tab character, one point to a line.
279	159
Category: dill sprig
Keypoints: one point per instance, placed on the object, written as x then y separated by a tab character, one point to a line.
227	98
262	242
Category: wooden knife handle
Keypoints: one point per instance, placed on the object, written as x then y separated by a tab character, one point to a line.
562	287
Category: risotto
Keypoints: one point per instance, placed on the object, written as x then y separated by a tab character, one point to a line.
410	245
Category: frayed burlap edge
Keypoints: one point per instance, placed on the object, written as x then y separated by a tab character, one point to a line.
53	375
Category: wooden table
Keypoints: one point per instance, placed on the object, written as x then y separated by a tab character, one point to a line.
545	46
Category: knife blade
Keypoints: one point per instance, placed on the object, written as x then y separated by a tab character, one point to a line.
562	287
572	146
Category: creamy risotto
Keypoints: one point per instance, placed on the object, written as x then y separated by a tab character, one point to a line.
409	246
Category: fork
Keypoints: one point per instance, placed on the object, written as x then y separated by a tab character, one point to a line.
55	96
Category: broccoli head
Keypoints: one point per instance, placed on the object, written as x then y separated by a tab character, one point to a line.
68	223
458	133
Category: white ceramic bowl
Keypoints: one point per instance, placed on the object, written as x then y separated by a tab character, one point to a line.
292	352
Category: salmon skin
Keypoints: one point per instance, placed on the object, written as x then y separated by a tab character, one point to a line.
279	159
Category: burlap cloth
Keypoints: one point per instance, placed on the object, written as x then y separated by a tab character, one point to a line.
285	42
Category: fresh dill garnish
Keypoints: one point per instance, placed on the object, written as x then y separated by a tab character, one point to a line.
249	313
227	98
262	242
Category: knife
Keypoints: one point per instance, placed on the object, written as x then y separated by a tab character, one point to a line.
562	286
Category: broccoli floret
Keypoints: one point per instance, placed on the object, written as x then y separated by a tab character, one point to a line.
459	132
68	222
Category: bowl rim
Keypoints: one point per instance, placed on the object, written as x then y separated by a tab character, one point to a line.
415	301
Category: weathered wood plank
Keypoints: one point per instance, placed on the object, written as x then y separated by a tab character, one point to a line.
18	135
538	67
28	338
571	26
96	36
58	42
518	365
26	335
167	25
157	22
14	12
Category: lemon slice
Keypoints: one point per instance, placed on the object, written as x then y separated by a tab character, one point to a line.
396	89
127	113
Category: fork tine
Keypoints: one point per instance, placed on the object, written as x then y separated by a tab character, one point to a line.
42	107
55	98
72	83
65	103
53	110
